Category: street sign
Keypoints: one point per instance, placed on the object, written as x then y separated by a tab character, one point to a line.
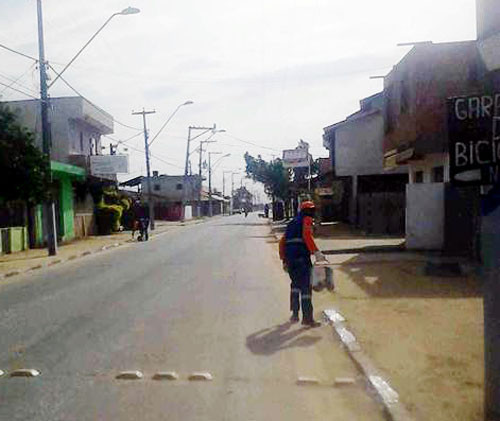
295	158
474	139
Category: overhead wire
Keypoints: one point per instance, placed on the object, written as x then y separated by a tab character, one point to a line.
18	52
156	157
90	102
120	142
18	90
251	143
16	81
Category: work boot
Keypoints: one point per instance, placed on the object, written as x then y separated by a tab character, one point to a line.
311	323
294	318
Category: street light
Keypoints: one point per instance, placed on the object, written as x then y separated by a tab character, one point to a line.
170	118
186	166
210	209
127	11
231	204
224	182
49	208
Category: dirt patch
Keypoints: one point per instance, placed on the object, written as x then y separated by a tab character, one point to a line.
425	332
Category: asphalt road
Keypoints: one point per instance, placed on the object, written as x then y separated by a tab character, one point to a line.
209	297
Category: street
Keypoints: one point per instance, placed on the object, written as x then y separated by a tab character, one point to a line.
201	298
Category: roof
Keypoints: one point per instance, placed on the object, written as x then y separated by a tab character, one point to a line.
133	182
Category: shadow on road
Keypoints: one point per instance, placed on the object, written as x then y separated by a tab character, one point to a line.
271	340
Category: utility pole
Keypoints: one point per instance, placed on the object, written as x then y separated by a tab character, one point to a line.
232	192
199	170
210	210
148	170
224	183
186	166
49	210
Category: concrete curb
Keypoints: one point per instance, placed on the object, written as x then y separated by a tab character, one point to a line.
389	398
13	273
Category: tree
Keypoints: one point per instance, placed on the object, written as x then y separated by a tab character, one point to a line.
272	174
242	198
24	168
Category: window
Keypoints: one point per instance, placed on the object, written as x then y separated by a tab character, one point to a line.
156	187
419	177
438	174
178	186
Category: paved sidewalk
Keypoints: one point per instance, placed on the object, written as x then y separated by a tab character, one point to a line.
34	259
423	328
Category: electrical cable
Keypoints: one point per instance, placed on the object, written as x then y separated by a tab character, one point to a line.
16	81
17	90
251	143
90	102
156	157
18	52
119	142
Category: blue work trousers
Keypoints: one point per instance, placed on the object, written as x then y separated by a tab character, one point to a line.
299	270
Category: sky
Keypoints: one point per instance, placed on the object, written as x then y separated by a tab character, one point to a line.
269	72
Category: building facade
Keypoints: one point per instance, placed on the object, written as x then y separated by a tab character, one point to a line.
356	149
76	128
416	135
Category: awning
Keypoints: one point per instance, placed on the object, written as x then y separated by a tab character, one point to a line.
67	170
393	159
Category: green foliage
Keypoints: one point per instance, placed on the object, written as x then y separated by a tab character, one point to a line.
108	217
25	171
110	209
273	175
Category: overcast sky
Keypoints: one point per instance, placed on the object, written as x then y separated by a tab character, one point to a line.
270	72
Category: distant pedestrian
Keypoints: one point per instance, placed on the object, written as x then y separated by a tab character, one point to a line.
296	247
266	210
141	221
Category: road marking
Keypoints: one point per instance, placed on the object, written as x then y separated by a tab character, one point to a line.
25	372
200	376
334	316
386	392
304	381
130	375
166	375
344	381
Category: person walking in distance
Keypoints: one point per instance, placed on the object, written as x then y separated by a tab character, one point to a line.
295	248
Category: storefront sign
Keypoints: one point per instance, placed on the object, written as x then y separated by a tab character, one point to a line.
108	164
474	139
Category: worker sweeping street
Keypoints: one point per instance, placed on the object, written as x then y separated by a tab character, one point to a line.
296	247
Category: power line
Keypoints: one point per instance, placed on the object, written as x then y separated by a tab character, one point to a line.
156	157
251	143
123	141
90	102
15	81
18	52
17	90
